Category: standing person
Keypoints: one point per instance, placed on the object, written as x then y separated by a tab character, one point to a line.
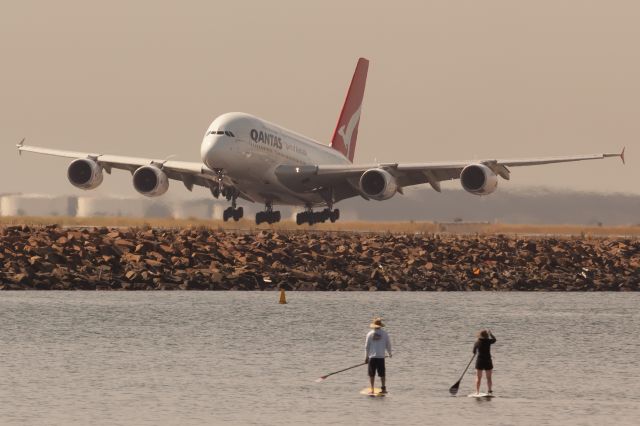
376	344
482	348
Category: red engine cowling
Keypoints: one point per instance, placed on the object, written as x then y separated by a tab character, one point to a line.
84	173
150	181
478	179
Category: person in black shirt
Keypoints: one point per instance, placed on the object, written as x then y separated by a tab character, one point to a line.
482	348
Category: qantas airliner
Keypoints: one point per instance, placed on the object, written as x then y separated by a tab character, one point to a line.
252	159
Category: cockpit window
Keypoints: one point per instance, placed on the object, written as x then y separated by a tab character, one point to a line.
221	132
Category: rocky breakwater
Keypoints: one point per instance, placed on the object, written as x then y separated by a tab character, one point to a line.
164	259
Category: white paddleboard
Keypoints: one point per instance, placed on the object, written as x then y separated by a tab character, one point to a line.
481	395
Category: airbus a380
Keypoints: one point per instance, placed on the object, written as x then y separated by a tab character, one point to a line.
252	159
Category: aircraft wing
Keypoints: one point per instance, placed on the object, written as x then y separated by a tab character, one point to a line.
189	173
344	179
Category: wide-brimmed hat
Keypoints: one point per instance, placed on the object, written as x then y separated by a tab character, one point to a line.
376	323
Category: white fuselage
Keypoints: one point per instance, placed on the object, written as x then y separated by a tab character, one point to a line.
249	149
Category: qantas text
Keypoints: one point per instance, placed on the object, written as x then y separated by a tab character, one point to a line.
266	138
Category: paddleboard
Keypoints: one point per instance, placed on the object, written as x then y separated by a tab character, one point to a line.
481	395
377	392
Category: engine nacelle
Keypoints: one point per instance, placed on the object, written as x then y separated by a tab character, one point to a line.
378	184
84	173
150	181
478	179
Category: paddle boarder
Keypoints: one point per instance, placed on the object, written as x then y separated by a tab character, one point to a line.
482	348
377	342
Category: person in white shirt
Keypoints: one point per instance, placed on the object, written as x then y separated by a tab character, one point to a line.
376	344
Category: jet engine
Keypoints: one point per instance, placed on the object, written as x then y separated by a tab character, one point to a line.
478	179
378	184
84	173
150	181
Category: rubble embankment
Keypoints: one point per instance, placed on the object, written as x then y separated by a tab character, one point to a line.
54	258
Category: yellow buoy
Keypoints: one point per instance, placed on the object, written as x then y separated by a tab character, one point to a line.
283	298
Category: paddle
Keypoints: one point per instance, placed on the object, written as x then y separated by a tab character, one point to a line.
453	390
318	380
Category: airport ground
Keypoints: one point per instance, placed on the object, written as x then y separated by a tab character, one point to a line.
461	228
120	254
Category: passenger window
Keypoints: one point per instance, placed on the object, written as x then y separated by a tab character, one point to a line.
220	132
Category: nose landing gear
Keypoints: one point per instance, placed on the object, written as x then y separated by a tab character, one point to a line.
268	215
216	187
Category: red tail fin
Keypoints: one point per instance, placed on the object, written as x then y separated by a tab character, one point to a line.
346	132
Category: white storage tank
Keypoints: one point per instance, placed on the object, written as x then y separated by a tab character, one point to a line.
94	207
37	205
196	209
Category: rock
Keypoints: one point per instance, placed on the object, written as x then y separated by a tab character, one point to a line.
49	257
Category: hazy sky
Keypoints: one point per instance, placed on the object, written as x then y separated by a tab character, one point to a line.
448	80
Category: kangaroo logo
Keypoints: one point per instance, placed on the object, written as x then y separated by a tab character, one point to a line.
346	131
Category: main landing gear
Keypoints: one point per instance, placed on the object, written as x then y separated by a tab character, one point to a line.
311	217
268	215
232	212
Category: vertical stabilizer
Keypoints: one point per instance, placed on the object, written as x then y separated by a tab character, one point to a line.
346	132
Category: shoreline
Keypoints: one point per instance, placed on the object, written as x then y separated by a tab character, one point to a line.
58	258
395	227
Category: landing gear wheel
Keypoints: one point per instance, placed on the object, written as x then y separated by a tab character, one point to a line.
227	214
269	217
325	215
231	213
304	217
311	217
334	215
238	213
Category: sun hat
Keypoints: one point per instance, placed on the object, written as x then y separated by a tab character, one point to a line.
377	323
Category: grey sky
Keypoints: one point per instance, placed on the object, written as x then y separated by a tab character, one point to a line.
448	80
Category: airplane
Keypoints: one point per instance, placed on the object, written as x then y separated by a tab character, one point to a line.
246	157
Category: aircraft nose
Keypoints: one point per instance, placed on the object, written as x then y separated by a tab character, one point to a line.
210	144
215	151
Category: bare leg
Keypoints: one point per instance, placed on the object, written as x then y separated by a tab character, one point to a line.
371	380
382	381
478	380
489	382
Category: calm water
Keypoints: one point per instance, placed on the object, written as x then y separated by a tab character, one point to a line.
195	358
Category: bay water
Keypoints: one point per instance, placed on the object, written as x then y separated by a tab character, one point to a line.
240	358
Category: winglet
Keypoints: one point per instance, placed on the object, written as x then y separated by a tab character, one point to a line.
621	155
19	145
